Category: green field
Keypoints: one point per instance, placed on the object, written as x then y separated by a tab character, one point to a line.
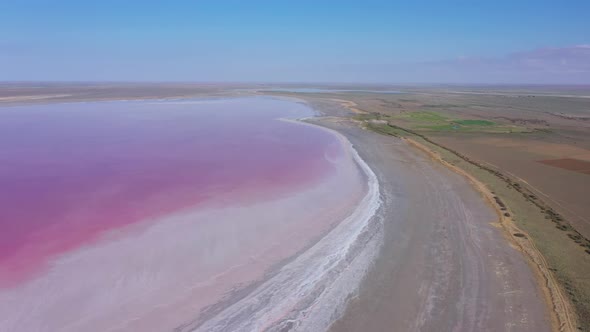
475	123
434	121
426	116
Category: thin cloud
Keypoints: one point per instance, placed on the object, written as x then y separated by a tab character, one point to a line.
551	65
551	60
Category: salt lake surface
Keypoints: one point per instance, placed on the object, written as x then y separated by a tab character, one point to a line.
209	214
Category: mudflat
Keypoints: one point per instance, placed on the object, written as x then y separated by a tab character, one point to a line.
445	264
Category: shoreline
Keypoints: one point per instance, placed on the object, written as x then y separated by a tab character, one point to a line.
341	272
348	235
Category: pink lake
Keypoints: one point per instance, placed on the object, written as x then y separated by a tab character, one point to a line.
138	215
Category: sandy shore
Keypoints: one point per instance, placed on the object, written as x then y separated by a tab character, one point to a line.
445	264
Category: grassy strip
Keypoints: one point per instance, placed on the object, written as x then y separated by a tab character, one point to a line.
484	123
566	251
431	121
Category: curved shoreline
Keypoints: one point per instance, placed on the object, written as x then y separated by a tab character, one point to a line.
317	280
342	243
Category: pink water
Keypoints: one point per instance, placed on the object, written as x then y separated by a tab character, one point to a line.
71	172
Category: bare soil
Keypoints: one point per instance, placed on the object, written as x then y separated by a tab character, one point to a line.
570	164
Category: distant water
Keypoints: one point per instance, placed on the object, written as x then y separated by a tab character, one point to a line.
156	215
326	90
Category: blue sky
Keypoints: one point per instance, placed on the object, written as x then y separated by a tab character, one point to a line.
316	41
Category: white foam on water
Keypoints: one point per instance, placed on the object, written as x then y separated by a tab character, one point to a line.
311	292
